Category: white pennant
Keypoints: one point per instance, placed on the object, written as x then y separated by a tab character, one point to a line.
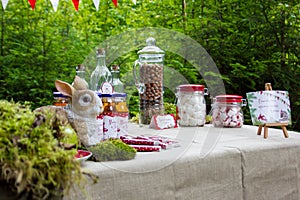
134	1
4	4
54	4
96	3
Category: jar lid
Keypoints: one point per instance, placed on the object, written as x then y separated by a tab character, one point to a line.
99	94
228	98
151	47
118	94
59	94
106	95
190	88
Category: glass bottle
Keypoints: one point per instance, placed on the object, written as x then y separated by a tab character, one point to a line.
191	105
227	111
80	72
101	73
148	74
116	82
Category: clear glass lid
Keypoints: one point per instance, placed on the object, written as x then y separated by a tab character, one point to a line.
151	47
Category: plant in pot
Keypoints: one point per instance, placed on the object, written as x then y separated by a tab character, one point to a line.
33	161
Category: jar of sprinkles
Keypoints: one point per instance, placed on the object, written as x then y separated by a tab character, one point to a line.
191	105
60	99
227	111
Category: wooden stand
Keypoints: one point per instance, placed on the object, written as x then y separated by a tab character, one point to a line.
267	125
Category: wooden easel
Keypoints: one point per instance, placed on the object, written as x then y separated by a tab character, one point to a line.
267	125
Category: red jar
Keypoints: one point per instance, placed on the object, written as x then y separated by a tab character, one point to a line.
191	105
227	111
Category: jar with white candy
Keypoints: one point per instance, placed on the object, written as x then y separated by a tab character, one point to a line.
227	111
191	105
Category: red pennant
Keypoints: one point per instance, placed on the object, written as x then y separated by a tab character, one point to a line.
115	2
76	4
32	3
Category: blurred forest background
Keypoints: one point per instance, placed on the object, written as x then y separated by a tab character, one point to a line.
251	42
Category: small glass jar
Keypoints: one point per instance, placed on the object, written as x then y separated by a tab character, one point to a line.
121	113
60	99
191	105
109	119
100	122
227	111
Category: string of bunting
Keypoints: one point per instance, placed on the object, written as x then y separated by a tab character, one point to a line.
56	2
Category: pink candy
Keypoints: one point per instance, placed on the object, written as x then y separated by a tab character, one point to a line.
153	143
145	148
141	142
227	117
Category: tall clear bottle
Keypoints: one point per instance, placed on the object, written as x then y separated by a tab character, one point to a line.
101	74
116	82
80	71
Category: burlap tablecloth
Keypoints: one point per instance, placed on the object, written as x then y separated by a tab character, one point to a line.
211	163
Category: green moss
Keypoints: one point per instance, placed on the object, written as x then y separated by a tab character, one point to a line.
112	149
31	161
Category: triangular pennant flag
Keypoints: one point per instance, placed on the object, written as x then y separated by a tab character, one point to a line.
54	4
96	3
134	1
115	2
76	4
32	3
4	4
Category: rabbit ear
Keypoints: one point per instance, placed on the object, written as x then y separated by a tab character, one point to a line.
80	84
64	87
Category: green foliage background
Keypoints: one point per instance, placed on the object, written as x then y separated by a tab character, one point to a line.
251	42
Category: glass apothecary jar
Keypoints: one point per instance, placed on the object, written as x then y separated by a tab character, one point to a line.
227	111
191	105
148	74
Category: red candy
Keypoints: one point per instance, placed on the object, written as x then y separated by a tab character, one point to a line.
146	148
145	144
141	142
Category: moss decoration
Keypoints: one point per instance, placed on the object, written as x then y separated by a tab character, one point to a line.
112	149
32	163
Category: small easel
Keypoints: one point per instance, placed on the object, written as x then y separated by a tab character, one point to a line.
267	125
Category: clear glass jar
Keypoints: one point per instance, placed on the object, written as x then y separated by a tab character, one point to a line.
148	75
60	99
191	105
227	111
109	119
100	121
121	113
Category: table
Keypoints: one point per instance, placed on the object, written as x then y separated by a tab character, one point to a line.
211	163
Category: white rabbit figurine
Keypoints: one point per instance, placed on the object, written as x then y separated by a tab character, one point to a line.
84	107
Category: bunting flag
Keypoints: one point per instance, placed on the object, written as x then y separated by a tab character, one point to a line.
115	2
4	4
96	3
32	3
54	4
76	4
